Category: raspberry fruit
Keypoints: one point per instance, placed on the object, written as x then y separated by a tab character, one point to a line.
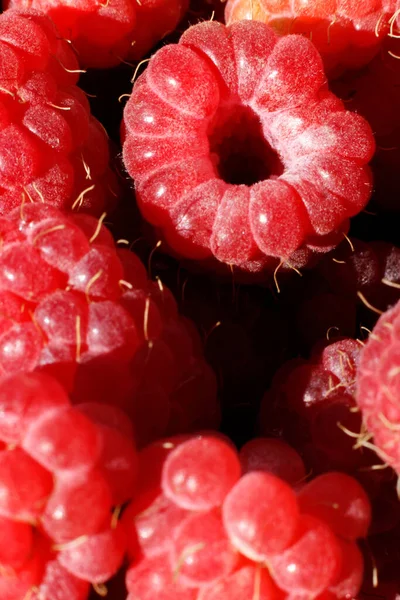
51	148
74	306
378	386
239	151
347	34
59	527
259	538
106	33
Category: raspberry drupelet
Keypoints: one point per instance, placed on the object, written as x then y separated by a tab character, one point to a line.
240	152
246	534
51	148
347	34
105	33
74	305
378	386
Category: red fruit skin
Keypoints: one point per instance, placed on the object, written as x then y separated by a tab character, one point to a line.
95	558
314	569
340	501
199	473
59	584
348	35
216	205
75	313
256	500
273	456
378	386
103	35
45	147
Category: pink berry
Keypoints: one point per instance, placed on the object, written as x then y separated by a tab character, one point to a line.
349	581
45	149
23	398
63	440
378	385
25	486
16	543
201	552
246	141
312	563
273	456
340	501
152	578
199	473
260	515
58	584
348	34
94	558
244	583
77	507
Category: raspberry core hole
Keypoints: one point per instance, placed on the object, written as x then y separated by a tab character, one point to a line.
239	149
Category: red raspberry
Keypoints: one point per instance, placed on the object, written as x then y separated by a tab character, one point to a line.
239	151
347	34
378	386
258	538
58	491
51	148
106	33
374	93
76	307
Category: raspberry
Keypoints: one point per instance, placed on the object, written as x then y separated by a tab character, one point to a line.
57	497
47	133
267	164
73	311
104	34
378	386
258	540
273	456
347	34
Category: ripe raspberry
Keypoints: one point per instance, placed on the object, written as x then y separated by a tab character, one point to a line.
374	93
74	306
51	148
106	33
378	386
347	34
57	499
257	540
267	164
308	399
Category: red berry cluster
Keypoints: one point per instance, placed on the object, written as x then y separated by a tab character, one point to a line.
61	474
378	386
75	306
234	130
347	34
106	33
214	524
51	148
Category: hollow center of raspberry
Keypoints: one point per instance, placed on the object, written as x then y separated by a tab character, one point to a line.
238	146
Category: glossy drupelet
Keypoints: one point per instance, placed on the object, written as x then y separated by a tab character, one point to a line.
240	153
75	306
51	148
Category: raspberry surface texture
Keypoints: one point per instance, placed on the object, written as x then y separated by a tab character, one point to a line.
59	529
51	148
347	34
75	306
239	151
378	386
242	542
107	33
